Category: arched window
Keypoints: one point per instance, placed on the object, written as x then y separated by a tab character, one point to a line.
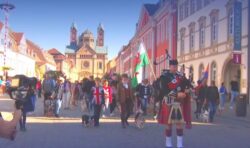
201	70
213	72
214	29
202	35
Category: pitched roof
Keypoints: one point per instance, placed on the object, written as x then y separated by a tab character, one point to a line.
54	51
37	50
18	36
151	8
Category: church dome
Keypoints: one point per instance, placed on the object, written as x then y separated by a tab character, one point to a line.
87	32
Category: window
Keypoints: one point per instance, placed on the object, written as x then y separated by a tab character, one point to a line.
213	72
186	4
100	65
192	6
230	23
214	30
181	15
214	25
182	40
202	35
199	4
201	70
191	37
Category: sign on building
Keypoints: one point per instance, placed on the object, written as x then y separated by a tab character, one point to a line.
237	25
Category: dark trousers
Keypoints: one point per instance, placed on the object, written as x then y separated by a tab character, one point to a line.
97	112
113	105
212	110
126	110
47	95
22	121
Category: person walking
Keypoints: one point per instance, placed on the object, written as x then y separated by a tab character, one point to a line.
223	94
212	99
66	94
98	100
125	98
48	87
234	92
113	84
28	106
202	91
58	96
107	98
145	93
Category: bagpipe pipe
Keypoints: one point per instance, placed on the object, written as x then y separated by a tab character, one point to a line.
22	90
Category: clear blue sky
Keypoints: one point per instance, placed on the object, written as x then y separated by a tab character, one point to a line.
47	22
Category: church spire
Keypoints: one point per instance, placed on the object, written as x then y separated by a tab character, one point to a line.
73	35
100	35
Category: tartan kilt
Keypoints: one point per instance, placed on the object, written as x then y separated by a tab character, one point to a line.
167	111
164	114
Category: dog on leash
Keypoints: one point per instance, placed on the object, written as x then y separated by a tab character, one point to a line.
87	120
205	116
139	119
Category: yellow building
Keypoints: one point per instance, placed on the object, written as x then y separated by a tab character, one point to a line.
88	57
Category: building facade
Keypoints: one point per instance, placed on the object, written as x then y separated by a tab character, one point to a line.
18	57
214	33
156	28
88	57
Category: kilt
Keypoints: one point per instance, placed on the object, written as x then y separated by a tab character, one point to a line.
166	114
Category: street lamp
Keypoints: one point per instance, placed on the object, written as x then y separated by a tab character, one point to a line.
6	7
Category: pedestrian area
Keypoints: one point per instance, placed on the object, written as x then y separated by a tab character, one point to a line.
228	131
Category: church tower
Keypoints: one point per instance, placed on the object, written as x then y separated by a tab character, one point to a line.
73	35
100	35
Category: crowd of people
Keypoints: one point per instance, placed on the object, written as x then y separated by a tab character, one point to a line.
113	93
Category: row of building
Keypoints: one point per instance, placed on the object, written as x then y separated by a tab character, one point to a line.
199	33
82	58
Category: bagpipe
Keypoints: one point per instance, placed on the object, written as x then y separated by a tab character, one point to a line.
22	91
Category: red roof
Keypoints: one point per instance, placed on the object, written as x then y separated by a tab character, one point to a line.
37	50
1	25
54	51
18	36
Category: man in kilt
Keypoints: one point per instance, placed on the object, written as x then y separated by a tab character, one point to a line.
172	87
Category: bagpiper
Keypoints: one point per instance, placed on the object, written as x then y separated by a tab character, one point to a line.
172	87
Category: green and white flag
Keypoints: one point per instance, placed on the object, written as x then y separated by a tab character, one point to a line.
140	61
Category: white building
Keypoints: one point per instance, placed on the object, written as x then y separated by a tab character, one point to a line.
209	34
19	57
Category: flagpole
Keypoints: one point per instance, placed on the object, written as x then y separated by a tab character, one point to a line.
150	64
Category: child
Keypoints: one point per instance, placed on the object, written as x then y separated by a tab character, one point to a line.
98	100
107	97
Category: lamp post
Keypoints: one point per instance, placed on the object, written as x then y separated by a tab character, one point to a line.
6	7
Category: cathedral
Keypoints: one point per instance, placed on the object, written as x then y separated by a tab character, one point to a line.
88	56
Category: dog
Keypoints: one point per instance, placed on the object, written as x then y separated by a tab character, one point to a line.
205	116
139	119
87	121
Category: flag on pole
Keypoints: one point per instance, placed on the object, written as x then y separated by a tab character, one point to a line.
205	74
141	61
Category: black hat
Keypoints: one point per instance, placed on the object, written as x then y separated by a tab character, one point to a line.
173	62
